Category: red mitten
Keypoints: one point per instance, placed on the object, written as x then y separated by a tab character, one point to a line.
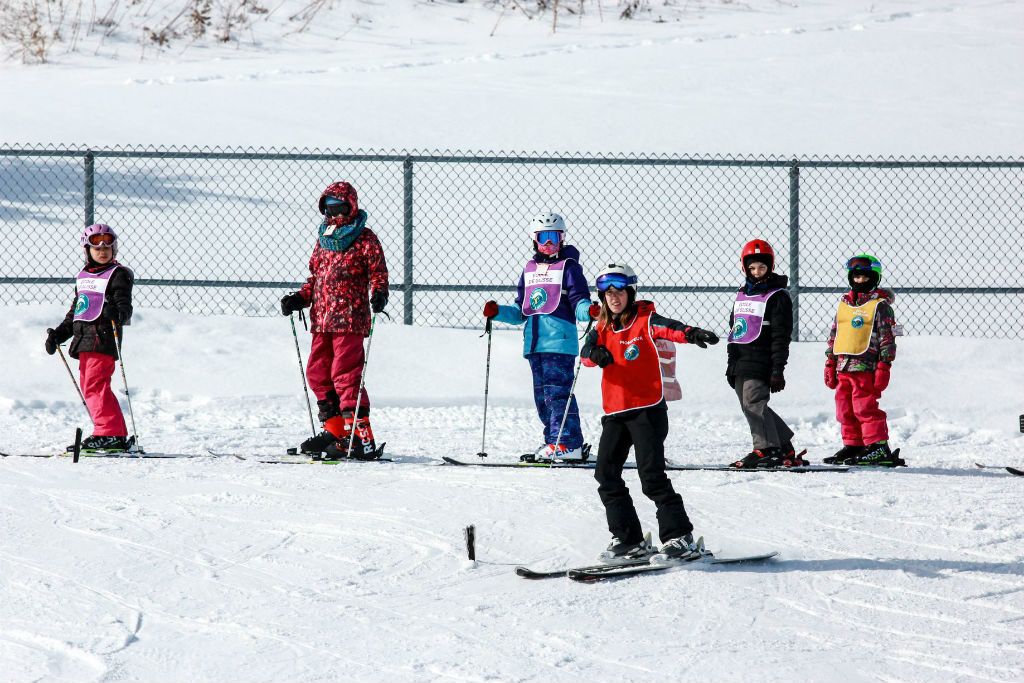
595	311
831	378
490	309
881	377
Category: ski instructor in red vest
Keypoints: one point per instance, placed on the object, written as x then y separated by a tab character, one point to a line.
622	343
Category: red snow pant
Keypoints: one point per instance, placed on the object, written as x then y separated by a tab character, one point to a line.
336	363
861	421
94	372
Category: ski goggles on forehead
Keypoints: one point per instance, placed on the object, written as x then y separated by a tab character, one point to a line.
337	208
102	240
862	263
614	280
546	236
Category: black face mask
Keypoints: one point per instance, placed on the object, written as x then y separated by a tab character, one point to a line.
866	286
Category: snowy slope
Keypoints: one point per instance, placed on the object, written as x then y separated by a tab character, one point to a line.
212	569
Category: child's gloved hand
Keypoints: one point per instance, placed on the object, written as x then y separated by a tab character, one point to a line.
595	311
881	377
831	378
291	303
777	382
490	309
51	341
601	356
378	300
695	335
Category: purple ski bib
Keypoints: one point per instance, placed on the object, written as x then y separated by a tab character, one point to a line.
542	287
748	316
92	290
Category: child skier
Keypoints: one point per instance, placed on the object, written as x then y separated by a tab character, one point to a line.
347	261
762	323
623	344
103	295
861	349
551	296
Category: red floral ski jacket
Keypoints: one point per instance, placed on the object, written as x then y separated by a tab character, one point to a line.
339	285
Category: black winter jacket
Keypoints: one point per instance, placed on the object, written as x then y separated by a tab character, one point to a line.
770	351
96	335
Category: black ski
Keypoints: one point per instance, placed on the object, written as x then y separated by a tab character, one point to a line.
528	573
590	575
1011	470
589	465
296	458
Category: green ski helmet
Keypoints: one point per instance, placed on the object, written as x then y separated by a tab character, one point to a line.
864	264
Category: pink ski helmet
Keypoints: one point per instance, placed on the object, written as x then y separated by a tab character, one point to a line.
99	235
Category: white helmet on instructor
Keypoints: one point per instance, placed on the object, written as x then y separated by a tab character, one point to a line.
618	276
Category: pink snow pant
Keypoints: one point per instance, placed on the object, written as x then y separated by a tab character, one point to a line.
336	362
94	372
861	421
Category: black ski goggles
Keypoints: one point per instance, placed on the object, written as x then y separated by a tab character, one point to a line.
333	209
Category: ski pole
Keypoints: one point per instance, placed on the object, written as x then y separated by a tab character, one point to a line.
362	381
124	378
487	383
73	381
302	374
572	390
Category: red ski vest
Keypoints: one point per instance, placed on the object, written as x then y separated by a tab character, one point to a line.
633	380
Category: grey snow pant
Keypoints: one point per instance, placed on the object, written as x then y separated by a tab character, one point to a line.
766	428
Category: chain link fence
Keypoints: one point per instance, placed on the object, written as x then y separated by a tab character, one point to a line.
229	231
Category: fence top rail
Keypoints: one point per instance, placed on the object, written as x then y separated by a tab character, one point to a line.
456	156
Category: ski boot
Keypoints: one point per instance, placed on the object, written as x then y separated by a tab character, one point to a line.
751	460
877	455
845	453
681	549
106	444
624	552
356	441
330	417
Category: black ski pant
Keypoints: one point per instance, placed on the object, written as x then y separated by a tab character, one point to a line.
644	430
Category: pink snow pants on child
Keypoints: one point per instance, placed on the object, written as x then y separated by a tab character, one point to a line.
861	421
336	362
94	372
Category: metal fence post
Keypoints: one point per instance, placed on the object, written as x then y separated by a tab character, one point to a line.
90	184
407	201
794	245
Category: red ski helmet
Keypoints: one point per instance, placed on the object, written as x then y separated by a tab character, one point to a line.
757	250
342	192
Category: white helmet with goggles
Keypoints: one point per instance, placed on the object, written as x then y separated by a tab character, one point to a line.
618	276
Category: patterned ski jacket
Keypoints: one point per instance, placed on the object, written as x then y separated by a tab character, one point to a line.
554	332
339	283
97	336
882	347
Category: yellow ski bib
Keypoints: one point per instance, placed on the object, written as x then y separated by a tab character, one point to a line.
853	328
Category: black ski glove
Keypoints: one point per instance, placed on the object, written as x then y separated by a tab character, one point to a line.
695	335
117	315
777	382
378	300
601	356
51	341
291	303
